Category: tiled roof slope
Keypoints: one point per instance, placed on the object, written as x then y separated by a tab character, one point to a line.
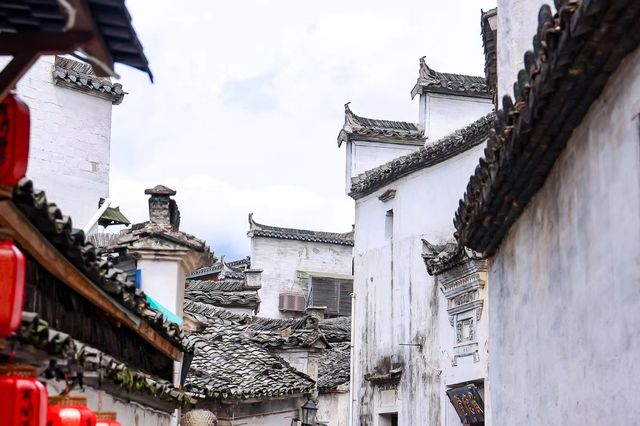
232	358
430	81
361	128
231	367
437	152
260	230
268	332
58	230
336	329
224	293
235	265
334	368
80	76
334	371
37	333
574	52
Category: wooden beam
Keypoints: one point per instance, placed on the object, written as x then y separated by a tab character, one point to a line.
27	47
44	43
31	240
14	71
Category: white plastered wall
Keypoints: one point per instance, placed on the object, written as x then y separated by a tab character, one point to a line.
280	261
70	142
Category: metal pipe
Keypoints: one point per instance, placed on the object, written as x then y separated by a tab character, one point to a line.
96	217
352	361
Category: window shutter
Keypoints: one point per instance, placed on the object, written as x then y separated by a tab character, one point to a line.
333	293
346	288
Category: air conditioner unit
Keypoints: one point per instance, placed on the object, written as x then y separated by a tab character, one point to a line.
292	302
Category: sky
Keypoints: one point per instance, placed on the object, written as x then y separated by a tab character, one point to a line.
248	99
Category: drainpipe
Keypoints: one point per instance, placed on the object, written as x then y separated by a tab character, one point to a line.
352	363
96	217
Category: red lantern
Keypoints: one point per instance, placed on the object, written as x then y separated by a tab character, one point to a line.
23	399
14	139
107	418
70	411
12	276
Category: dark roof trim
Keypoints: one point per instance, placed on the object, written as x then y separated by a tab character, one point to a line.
430	81
259	230
369	129
574	51
489	43
442	150
81	77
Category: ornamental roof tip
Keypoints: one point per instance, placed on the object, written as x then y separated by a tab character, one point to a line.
356	127
574	50
431	81
259	230
448	147
80	76
439	258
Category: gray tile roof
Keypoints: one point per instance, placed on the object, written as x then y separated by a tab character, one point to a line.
334	368
437	152
37	333
233	359
267	231
81	77
430	81
235	267
229	292
575	51
270	333
361	128
231	367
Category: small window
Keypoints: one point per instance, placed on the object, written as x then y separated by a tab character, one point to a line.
388	225
465	331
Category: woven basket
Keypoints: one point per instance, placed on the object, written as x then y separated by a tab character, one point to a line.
199	418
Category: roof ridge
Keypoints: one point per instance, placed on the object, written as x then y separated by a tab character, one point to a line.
379	129
433	81
449	146
270	231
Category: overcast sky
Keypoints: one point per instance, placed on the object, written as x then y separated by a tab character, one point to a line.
248	101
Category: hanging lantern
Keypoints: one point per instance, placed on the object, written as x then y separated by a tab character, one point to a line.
12	277
23	399
69	410
107	418
14	139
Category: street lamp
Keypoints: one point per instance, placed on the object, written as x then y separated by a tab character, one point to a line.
309	411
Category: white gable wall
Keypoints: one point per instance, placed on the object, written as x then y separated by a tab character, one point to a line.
280	261
365	155
70	142
440	115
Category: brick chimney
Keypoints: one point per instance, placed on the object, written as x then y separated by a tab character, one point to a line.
163	210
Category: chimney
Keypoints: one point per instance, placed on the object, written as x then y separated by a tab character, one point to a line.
317	311
163	210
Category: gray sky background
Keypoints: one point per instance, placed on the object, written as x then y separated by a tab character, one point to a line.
248	102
